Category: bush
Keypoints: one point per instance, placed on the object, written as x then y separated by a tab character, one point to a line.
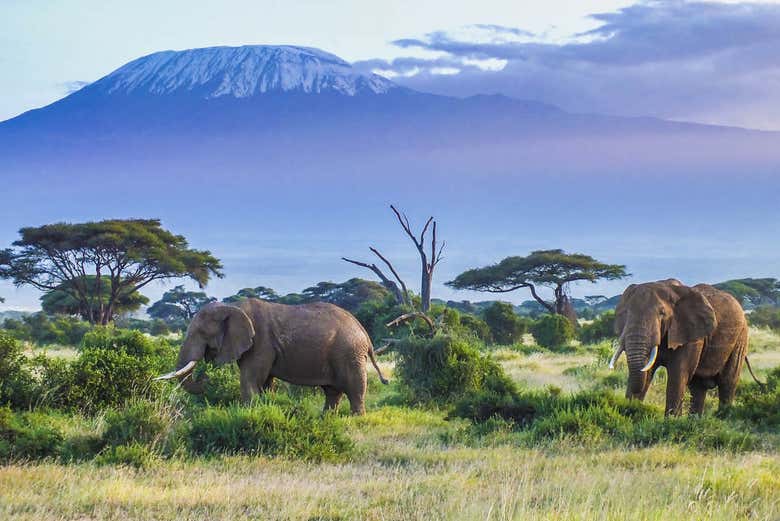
506	327
44	329
101	378
222	386
27	436
477	327
442	368
597	417
132	455
552	331
81	447
602	328
17	387
271	426
132	342
765	316
138	422
759	405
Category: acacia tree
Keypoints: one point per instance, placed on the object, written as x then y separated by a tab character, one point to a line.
429	259
130	253
261	292
61	302
554	269
178	305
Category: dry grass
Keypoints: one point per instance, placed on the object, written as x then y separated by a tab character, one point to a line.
403	470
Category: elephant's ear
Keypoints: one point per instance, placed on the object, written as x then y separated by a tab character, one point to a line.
693	319
620	310
236	333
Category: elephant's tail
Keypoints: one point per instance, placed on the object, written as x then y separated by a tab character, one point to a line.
373	361
760	384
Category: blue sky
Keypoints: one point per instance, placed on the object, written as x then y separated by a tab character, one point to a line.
717	60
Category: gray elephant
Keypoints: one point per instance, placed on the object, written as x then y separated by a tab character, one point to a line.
698	333
311	344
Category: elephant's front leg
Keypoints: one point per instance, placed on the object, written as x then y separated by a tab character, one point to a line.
255	371
680	368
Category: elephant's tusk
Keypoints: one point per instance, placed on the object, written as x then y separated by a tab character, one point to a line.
651	361
615	357
175	374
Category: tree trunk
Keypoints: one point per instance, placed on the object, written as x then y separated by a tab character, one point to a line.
425	288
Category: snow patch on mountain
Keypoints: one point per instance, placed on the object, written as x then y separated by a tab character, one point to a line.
242	72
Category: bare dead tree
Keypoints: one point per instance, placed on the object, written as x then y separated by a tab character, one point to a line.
397	286
428	264
401	294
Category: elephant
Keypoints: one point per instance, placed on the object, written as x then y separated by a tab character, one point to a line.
699	334
315	344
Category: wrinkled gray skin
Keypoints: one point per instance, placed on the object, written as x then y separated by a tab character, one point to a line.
702	336
312	344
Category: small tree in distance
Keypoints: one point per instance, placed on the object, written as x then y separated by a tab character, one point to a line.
554	269
131	253
177	306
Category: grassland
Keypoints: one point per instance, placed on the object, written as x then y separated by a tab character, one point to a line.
417	464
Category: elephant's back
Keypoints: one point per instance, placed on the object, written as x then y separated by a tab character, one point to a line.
327	323
728	310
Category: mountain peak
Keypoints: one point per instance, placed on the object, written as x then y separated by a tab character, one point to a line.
241	72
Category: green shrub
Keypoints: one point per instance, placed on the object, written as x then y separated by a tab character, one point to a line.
132	342
17	386
442	368
477	327
759	405
222	386
132	455
506	326
598	417
81	447
601	328
43	329
138	422
27	436
272	425
552	331
101	378
765	316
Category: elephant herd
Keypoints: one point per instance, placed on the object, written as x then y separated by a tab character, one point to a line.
699	334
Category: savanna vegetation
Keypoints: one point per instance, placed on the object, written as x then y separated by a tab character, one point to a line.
488	415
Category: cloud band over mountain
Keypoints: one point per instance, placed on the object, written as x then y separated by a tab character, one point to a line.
699	61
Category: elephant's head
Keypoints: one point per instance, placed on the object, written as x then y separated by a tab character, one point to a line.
653	317
217	332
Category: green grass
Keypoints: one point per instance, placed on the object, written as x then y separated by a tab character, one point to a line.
409	463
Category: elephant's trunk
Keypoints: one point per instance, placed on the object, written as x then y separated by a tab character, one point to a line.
638	350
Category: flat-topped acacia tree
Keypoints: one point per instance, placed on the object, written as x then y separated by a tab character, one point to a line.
126	254
554	269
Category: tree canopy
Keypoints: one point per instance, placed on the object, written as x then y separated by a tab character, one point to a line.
177	306
554	269
260	292
62	302
130	252
752	293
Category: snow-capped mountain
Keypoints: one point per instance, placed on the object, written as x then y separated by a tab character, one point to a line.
241	72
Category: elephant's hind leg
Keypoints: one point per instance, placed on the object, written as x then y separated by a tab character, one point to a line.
729	377
356	390
332	397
